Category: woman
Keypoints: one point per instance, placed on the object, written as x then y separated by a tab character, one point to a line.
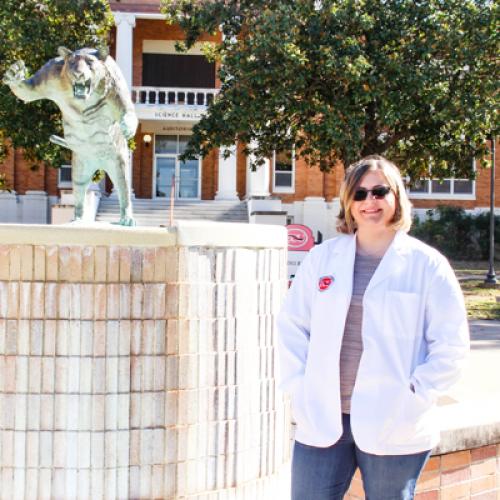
373	330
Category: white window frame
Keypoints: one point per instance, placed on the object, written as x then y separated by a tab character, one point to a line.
168	47
63	184
445	196
284	189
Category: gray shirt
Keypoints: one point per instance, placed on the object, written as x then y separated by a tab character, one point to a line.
352	343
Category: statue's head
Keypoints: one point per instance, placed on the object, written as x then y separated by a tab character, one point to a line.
85	70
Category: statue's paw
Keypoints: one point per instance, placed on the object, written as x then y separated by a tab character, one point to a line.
127	221
15	74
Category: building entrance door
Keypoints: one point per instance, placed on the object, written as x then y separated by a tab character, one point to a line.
185	175
165	175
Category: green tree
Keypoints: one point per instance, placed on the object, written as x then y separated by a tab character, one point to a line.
32	30
414	80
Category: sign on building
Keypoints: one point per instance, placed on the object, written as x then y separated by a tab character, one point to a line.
300	241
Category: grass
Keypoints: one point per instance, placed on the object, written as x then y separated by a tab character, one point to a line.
480	299
478	267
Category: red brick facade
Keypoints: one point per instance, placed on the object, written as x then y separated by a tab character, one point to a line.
241	173
309	181
22	175
209	176
142	169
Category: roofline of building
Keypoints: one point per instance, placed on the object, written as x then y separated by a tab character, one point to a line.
142	15
148	13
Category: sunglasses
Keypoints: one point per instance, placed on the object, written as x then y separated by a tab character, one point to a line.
378	192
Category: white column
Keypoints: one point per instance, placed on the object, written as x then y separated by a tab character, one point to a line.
227	175
125	24
258	180
315	215
333	210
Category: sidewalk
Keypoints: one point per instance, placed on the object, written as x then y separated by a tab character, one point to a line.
482	375
473	404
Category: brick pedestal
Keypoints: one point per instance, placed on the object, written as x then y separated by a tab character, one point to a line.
140	364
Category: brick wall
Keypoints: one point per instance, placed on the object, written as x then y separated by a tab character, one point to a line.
23	175
467	474
241	172
209	175
310	181
142	171
483	183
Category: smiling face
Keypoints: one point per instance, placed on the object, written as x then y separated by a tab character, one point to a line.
394	209
371	213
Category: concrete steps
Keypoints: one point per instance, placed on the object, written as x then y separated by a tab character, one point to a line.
157	212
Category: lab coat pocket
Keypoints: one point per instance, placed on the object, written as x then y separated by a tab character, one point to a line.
410	421
401	313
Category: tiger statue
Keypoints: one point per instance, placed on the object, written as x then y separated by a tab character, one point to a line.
98	117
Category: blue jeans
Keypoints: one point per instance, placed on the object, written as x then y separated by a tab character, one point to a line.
326	473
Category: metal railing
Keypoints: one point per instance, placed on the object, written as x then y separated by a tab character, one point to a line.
173	96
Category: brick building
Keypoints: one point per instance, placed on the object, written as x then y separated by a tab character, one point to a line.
171	91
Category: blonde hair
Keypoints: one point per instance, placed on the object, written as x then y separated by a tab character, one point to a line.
354	174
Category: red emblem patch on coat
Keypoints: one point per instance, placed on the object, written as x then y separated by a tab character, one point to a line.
325	282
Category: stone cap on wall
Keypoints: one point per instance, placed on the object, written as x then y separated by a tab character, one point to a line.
184	233
469	424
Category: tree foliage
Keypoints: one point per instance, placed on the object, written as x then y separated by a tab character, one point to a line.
32	30
414	80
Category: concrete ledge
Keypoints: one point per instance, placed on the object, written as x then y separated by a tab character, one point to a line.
234	234
468	438
269	212
470	424
185	233
84	234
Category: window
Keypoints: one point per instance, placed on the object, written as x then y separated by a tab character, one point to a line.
284	172
175	70
173	177
447	188
65	179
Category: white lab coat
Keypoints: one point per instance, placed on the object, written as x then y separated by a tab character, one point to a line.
414	331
